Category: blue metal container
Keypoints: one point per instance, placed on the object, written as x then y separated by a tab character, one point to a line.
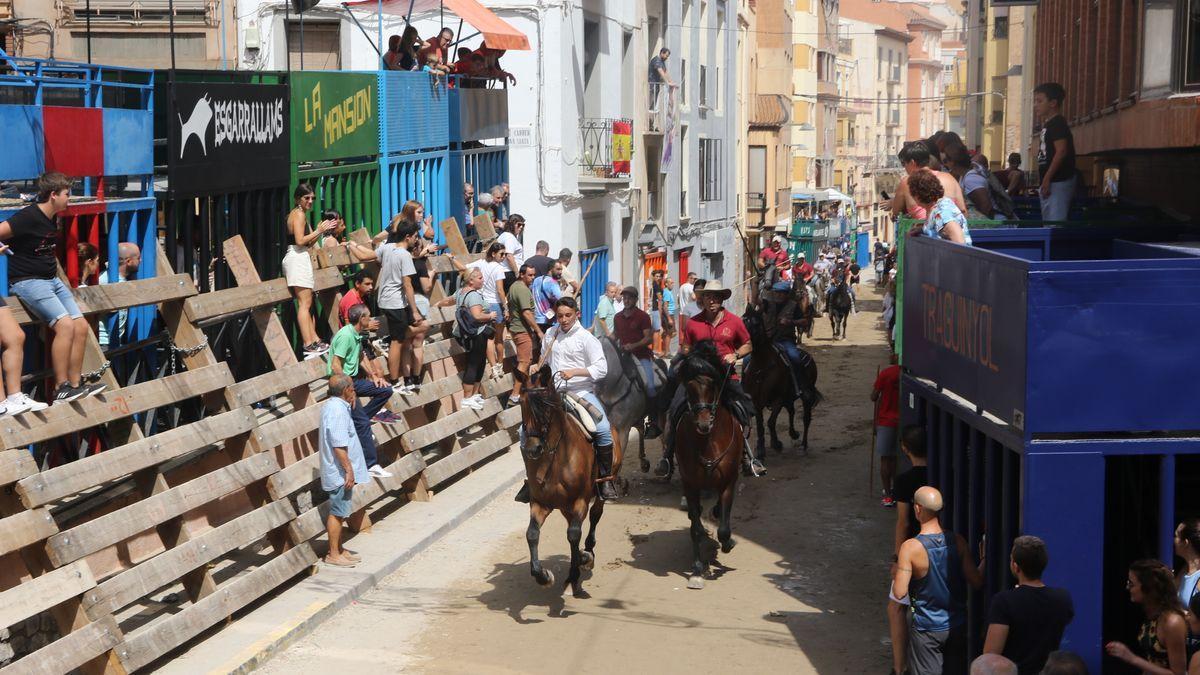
1048	366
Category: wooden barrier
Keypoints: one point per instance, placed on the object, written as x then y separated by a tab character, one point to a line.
139	549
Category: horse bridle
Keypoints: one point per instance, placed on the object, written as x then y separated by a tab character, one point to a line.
540	406
711	406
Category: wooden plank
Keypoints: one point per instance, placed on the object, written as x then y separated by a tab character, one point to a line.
442	265
275	338
450	424
277	381
118	404
111	528
25	528
312	522
107	298
431	392
327	279
236	299
69	652
453	237
450	466
304	472
484	228
15	465
291	426
41	593
500	385
63	481
140	581
146	645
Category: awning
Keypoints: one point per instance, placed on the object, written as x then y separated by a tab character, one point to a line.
832	195
497	33
802	197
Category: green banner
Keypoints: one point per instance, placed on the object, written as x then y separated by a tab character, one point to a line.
802	228
334	116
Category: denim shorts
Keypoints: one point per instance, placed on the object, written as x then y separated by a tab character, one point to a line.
494	308
655	320
339	501
50	299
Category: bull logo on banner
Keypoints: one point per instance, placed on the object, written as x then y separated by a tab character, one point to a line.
255	122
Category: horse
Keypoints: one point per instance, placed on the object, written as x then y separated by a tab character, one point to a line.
839	308
769	383
561	468
708	448
625	399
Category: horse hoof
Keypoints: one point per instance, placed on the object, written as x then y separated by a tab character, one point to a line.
588	560
728	544
581	594
777	447
696	582
795	435
645	465
548	581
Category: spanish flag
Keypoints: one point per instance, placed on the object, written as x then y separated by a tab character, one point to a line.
622	146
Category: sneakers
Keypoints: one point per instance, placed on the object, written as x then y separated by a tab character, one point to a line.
403	388
65	393
94	388
414	385
315	349
386	417
19	403
379	472
887	500
473	402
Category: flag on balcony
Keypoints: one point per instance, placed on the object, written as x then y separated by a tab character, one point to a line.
622	146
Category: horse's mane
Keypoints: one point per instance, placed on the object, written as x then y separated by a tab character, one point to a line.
703	361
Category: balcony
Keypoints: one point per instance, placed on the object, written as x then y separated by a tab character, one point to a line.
606	148
476	112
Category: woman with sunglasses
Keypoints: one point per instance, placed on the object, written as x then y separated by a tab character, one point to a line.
1162	638
298	269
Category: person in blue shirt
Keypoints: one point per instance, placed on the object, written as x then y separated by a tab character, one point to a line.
944	220
342	466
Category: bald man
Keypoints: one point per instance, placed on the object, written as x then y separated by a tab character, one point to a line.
933	570
129	257
993	664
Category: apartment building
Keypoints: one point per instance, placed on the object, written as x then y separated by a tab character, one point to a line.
954	76
765	105
827	93
804	104
123	32
1006	99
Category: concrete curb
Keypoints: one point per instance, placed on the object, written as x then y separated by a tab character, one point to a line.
250	640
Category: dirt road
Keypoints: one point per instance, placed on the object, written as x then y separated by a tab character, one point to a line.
802	592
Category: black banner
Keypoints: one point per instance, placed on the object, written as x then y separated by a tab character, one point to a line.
226	137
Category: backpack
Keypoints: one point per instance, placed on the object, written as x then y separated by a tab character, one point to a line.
466	327
1001	200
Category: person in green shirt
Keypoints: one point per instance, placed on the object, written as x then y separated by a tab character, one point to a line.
345	357
522	322
606	310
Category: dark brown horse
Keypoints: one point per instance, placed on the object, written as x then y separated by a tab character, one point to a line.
708	448
768	376
561	468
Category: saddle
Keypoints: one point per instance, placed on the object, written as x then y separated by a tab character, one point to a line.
583	413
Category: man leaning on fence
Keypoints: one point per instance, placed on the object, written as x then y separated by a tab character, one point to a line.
342	466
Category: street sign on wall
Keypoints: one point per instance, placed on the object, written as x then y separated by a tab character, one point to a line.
226	136
334	115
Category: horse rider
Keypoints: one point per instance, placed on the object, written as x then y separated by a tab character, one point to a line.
732	340
842	274
577	360
634	334
803	270
783	323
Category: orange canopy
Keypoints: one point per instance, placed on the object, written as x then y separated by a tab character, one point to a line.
497	33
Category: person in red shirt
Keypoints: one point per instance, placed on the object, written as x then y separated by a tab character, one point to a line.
437	46
773	254
803	270
886	395
364	285
732	341
633	333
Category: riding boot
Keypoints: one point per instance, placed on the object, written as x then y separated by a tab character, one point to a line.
604	462
652	430
523	494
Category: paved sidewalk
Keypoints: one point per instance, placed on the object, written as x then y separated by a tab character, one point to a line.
245	643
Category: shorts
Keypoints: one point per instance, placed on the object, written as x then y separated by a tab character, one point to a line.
655	320
297	268
50	299
937	652
340	501
497	313
398	322
524	344
422	304
885	441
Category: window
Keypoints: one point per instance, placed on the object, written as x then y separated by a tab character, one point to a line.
703	86
756	181
125	12
712	178
683	82
1190	47
879	65
1000	28
318	49
684	171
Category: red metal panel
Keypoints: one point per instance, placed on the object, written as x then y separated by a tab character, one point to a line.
684	260
74	140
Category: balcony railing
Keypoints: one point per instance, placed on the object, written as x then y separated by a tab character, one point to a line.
606	145
662	102
756	201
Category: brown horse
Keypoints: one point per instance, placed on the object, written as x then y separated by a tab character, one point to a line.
561	467
708	448
768	375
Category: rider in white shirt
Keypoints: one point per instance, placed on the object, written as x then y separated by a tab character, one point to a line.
577	360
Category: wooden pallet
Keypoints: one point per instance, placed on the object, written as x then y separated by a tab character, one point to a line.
195	523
